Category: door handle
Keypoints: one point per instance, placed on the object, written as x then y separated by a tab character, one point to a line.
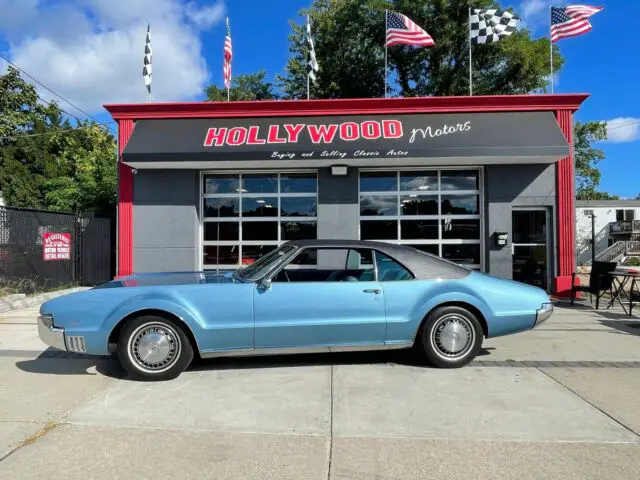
371	290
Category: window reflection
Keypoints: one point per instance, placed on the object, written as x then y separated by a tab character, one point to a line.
465	253
419	229
224	231
298	206
260	231
460	205
379	205
221	184
462	229
378	230
298	183
418	205
260	184
418	181
299	230
260	207
459	180
220	255
378	182
221	207
251	253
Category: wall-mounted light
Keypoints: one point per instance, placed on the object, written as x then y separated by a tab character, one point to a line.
501	238
339	170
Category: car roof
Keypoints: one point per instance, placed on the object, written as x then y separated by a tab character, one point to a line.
424	266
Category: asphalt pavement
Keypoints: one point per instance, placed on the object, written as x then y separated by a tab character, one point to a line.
560	402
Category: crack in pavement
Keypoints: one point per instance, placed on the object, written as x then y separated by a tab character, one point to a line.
31	439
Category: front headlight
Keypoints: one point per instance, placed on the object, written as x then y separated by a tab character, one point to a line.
543	313
47	320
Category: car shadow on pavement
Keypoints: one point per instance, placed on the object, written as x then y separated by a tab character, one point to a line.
50	362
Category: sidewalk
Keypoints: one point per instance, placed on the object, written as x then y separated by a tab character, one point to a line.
341	416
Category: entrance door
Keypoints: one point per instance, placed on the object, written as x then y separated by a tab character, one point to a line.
530	246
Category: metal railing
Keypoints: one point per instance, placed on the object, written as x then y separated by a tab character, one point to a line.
616	251
626	226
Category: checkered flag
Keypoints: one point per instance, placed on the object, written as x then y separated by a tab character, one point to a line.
312	62
491	25
146	71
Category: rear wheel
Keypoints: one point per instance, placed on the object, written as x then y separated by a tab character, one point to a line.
154	348
451	337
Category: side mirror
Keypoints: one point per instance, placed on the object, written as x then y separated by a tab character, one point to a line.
265	283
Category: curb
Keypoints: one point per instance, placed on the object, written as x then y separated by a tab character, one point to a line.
19	301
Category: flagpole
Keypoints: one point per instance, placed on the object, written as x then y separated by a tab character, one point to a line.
308	66
470	58
386	27
551	44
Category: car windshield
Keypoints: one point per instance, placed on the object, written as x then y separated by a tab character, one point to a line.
264	264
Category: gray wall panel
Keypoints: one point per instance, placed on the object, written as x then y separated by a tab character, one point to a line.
338	210
509	186
165	220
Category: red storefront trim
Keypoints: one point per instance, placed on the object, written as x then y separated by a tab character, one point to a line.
125	203
565	201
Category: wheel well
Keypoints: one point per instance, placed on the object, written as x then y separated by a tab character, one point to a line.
467	306
115	333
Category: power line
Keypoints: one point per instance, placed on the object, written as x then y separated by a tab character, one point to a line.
622	126
53	132
53	92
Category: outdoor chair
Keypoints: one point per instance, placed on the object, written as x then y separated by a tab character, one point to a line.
600	282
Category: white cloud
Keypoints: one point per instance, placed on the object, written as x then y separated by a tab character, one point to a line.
534	7
623	130
535	13
91	51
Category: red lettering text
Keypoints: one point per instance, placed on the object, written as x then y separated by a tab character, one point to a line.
392	128
215	134
273	135
322	133
293	131
349	131
237	136
253	137
371	130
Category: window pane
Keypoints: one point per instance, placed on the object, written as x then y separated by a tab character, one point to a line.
389	270
221	207
461	229
379	205
378	230
419	229
418	205
227	255
259	231
360	259
378	182
221	183
298	183
221	231
529	226
460	205
420	181
459	180
260	207
298	206
260	184
433	249
250	253
299	231
309	256
462	253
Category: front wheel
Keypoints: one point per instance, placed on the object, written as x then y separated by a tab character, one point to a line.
451	337
154	348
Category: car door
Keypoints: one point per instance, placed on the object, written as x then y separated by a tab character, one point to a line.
329	299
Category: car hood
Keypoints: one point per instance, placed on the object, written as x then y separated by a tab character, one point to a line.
170	278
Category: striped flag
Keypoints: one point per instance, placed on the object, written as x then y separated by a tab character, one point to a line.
571	21
228	55
146	71
312	63
402	30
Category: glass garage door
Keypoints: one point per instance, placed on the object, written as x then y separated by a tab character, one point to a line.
246	215
437	211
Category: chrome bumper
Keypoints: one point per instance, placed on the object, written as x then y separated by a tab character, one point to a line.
543	314
50	334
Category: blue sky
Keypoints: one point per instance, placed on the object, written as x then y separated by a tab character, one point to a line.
90	51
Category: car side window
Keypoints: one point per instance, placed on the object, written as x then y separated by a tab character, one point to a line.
390	270
329	265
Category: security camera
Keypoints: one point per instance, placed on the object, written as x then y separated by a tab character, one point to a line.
134	171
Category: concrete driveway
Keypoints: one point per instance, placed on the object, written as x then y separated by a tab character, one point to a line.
560	402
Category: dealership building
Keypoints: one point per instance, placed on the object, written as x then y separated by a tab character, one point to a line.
484	181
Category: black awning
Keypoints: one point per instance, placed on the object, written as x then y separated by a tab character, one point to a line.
461	138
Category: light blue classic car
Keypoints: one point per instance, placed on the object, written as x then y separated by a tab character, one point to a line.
306	296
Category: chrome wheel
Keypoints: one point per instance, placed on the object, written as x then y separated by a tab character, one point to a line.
452	336
154	347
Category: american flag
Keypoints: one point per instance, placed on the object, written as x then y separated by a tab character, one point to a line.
402	30
571	21
228	55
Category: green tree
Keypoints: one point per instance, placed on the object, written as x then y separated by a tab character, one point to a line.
587	174
349	39
248	86
45	161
